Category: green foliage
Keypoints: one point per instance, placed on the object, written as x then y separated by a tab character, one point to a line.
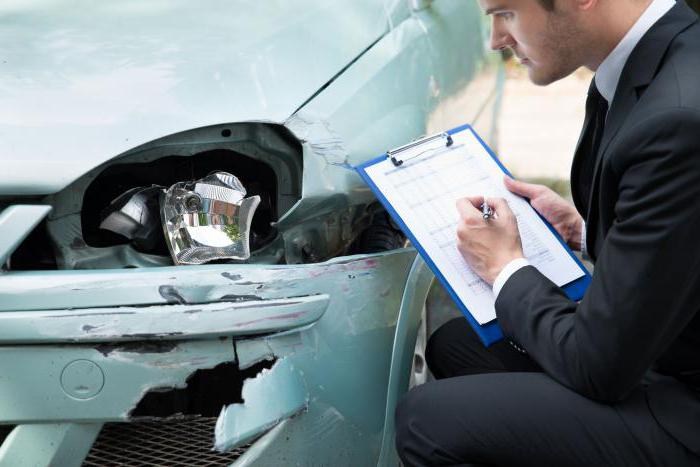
233	232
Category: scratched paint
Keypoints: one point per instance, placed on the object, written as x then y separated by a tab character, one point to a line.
170	294
162	321
324	142
346	360
203	284
130	371
345	407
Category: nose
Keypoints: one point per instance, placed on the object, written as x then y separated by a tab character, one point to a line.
500	37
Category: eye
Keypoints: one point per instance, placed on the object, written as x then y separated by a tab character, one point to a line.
506	15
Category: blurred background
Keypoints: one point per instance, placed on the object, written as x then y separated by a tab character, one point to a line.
539	126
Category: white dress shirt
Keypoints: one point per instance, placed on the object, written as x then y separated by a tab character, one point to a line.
608	74
606	79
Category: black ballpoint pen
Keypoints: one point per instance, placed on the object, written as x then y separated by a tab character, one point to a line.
486	210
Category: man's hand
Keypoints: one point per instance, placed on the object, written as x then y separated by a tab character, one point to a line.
487	245
558	212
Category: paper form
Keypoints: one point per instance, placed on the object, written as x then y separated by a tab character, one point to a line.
424	191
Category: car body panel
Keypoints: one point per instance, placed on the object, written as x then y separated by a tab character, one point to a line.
424	61
83	82
332	357
338	358
175	321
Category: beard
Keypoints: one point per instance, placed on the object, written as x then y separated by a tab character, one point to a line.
563	44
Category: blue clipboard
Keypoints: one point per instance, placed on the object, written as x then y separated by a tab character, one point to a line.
490	332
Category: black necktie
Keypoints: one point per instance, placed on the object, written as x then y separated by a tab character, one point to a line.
596	113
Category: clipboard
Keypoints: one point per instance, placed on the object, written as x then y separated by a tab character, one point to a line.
489	332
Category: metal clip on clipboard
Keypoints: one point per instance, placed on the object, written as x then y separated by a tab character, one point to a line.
431	142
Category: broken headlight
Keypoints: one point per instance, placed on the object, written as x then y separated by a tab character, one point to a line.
208	219
203	220
135	214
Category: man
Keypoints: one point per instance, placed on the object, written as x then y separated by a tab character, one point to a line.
614	379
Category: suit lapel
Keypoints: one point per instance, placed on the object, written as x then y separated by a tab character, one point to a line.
637	74
642	66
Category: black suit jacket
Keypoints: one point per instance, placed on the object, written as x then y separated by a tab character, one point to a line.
643	231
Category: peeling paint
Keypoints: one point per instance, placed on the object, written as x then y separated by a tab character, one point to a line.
261	358
230	276
351	396
171	295
271	318
276	394
252	351
149	335
317	132
279	345
240	298
324	353
130	370
364	267
87	315
216	319
193	311
138	347
267	305
132	288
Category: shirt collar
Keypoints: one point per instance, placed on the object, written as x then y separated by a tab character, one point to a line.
608	74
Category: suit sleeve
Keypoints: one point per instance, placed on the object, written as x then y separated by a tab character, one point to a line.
646	284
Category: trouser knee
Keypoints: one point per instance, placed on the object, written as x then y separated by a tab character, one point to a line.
432	357
410	432
437	351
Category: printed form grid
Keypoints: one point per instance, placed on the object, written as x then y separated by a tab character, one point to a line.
432	199
424	189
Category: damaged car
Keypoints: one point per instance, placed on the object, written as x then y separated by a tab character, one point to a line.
192	271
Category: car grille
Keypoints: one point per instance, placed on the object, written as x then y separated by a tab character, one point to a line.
159	443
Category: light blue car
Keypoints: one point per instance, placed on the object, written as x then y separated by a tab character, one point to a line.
112	351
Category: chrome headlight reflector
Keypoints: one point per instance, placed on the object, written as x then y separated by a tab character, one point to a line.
208	219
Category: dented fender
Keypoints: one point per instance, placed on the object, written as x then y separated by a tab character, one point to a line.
162	322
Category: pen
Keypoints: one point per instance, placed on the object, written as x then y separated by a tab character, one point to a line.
486	210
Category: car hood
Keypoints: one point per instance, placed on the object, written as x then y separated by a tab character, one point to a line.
83	81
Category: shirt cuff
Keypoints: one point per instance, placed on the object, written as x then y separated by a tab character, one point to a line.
506	272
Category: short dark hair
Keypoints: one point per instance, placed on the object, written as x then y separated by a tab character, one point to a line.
547	4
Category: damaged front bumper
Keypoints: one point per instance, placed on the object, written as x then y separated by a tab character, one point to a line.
291	357
299	356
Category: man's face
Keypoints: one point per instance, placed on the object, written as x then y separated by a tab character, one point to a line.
548	43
